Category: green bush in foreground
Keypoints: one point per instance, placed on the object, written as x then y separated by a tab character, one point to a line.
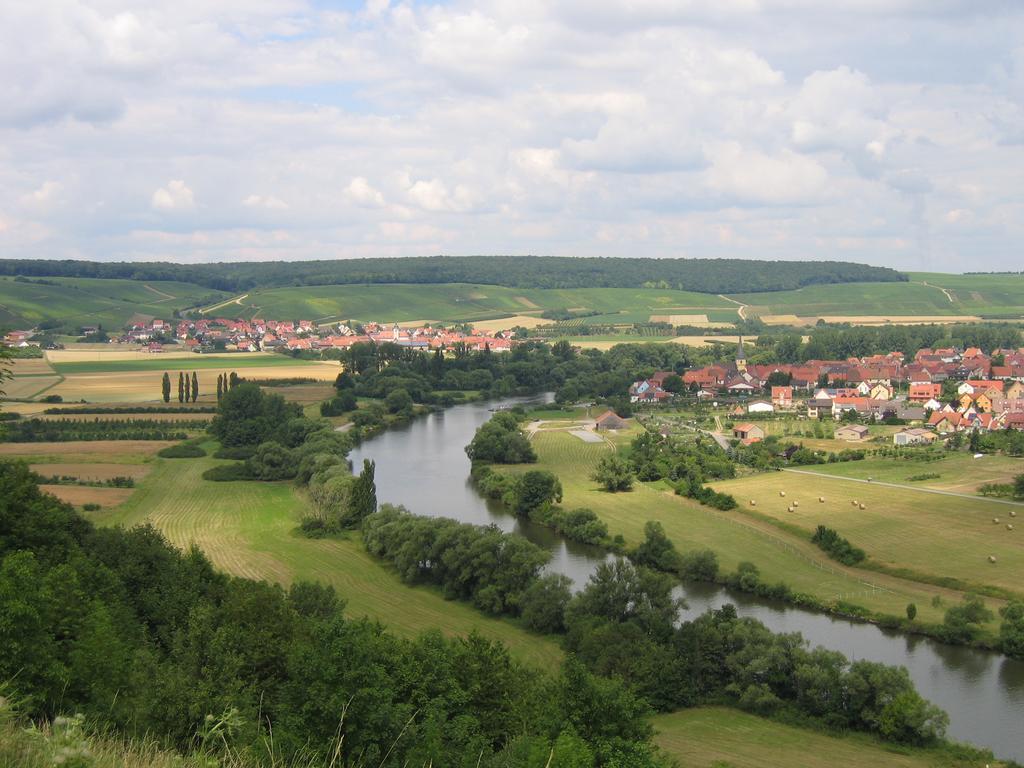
185	451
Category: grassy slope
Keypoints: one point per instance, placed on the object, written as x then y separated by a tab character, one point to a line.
958	472
980	294
388	303
780	556
699	738
942	536
86	301
247	528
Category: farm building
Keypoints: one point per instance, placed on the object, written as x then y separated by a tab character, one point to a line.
610	420
852	432
915	436
748	432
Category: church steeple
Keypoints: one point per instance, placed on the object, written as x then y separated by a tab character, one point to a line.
741	358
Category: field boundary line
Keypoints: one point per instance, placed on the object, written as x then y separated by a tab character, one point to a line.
236	300
885	484
742	307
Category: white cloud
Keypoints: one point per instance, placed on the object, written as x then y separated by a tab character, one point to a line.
175	196
265	201
759	128
360	192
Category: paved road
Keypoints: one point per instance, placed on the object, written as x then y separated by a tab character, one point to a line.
907	487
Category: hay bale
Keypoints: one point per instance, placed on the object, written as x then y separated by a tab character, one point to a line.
782	493
1013	513
1009	526
789	508
991	558
821	499
753	503
796	503
995	520
854	502
862	506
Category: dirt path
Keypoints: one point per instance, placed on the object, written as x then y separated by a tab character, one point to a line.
944	290
936	491
742	307
166	296
237	300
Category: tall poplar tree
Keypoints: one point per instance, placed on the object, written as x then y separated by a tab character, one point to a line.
181	387
220	386
195	386
166	387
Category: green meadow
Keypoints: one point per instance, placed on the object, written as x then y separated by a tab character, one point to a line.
193	362
248	529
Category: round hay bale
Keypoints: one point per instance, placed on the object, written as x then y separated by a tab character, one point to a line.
991	558
1009	526
854	502
789	508
821	499
753	503
1013	513
796	503
862	506
870	479
782	493
995	520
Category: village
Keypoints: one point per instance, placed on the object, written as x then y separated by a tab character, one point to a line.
939	392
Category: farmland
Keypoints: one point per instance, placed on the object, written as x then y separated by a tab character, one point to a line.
900	527
248	529
733	536
72	302
717	736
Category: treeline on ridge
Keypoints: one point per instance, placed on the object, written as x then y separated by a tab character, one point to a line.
702	275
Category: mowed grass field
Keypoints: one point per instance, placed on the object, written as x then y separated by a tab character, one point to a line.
932	534
90	301
248	529
144	361
708	737
734	537
958	472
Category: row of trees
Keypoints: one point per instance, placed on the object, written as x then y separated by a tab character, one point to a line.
143	638
705	275
188	387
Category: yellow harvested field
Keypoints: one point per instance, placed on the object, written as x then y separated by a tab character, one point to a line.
30	367
144	386
505	323
527	303
83	494
701	341
89	471
303	393
90	353
135	448
784	320
680	319
27	386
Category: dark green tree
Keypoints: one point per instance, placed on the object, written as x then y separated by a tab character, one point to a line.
195	386
181	387
165	386
220	386
363	497
613	473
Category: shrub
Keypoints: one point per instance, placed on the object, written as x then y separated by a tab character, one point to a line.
228	472
183	451
836	546
90	507
236	453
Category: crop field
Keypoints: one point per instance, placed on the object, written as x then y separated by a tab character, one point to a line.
145	386
84	494
87	301
114	451
958	472
91	470
144	361
37	366
706	737
732	535
930	533
24	387
248	529
449	302
985	295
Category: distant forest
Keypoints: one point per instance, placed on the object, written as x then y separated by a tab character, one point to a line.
702	275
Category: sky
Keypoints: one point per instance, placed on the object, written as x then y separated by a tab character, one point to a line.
888	132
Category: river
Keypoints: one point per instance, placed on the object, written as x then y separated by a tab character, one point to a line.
423	466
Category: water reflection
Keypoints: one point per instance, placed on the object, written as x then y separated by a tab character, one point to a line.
423	466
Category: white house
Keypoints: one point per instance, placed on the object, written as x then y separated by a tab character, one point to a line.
760	406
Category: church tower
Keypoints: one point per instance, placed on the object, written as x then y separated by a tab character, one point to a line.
741	358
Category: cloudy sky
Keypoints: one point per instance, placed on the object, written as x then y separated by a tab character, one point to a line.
884	131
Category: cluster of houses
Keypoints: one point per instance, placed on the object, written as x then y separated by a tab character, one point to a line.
268	335
989	391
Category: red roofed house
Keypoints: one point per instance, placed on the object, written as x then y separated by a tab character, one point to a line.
782	397
922	393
